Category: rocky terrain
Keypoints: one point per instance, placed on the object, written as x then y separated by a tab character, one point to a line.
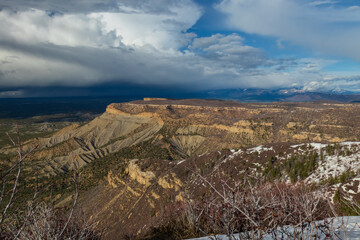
138	158
193	127
130	199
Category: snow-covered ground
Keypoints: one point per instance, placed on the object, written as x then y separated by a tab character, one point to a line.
344	227
259	149
335	165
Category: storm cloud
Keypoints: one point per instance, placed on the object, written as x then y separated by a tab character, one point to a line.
90	43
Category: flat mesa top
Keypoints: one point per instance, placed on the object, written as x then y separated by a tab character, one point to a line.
190	102
232	103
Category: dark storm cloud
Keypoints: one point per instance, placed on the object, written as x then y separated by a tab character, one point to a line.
139	66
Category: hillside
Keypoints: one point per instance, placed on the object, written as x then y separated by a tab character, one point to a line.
139	158
132	199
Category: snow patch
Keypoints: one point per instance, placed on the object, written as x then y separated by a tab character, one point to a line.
181	162
260	149
345	228
231	156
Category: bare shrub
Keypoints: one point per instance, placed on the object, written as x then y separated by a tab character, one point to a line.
254	210
10	178
46	222
174	222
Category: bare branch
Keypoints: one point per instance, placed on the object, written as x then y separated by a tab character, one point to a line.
73	206
30	211
12	194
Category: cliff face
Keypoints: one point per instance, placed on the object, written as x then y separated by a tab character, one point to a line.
193	127
198	126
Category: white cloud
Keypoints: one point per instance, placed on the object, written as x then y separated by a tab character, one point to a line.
334	83
327	29
230	49
162	31
37	27
322	2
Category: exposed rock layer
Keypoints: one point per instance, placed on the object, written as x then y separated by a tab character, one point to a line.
193	127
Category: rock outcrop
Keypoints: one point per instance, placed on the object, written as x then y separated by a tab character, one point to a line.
126	203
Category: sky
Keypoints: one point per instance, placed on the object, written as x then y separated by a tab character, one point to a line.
109	47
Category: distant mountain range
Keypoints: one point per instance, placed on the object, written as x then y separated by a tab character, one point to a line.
29	107
281	95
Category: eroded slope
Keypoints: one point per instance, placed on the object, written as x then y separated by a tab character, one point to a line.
192	127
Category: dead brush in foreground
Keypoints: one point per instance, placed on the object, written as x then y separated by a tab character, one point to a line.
46	222
250	210
257	210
